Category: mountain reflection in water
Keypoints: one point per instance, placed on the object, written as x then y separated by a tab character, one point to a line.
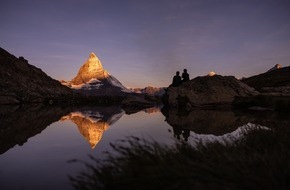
19	123
93	122
63	128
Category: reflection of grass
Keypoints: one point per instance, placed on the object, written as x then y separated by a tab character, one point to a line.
260	161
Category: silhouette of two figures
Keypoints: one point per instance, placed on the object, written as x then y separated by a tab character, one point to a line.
177	78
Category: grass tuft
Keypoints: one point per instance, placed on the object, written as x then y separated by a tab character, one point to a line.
259	161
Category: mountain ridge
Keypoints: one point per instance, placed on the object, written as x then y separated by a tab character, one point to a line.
21	82
273	78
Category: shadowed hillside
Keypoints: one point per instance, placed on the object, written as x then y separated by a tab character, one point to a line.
21	82
273	78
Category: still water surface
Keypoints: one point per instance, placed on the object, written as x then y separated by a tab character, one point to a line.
36	143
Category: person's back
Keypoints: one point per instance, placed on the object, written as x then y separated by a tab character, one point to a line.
185	76
176	79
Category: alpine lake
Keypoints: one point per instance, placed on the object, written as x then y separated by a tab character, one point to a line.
38	143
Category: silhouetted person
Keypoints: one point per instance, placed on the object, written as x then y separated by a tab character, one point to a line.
176	79
185	76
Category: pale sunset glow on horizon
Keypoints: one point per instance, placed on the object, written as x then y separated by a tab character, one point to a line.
143	43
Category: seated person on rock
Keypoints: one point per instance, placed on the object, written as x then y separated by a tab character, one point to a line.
176	79
185	76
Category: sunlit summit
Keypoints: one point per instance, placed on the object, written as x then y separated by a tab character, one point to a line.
92	79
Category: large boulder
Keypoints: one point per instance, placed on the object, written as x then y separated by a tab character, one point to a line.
207	90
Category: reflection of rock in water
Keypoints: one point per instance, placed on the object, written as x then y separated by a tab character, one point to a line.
218	122
18	124
93	122
205	121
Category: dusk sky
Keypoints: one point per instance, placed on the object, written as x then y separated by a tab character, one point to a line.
144	42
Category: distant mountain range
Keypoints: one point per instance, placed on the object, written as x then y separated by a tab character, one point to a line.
153	91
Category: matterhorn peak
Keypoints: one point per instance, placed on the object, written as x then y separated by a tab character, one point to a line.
92	79
93	56
91	69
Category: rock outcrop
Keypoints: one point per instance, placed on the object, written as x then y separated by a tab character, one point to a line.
205	91
21	82
93	80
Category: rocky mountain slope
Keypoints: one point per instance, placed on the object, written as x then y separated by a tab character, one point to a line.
93	80
21	82
207	90
275	81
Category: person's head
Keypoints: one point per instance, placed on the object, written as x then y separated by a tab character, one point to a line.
177	72
185	70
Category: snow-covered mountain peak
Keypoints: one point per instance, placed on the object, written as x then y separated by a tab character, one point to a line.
93	55
93	79
92	68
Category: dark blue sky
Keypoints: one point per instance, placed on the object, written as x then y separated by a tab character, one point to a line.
144	42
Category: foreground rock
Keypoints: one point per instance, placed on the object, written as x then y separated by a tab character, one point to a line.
21	82
207	91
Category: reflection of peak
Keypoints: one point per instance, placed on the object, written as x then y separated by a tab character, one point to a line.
93	123
90	129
